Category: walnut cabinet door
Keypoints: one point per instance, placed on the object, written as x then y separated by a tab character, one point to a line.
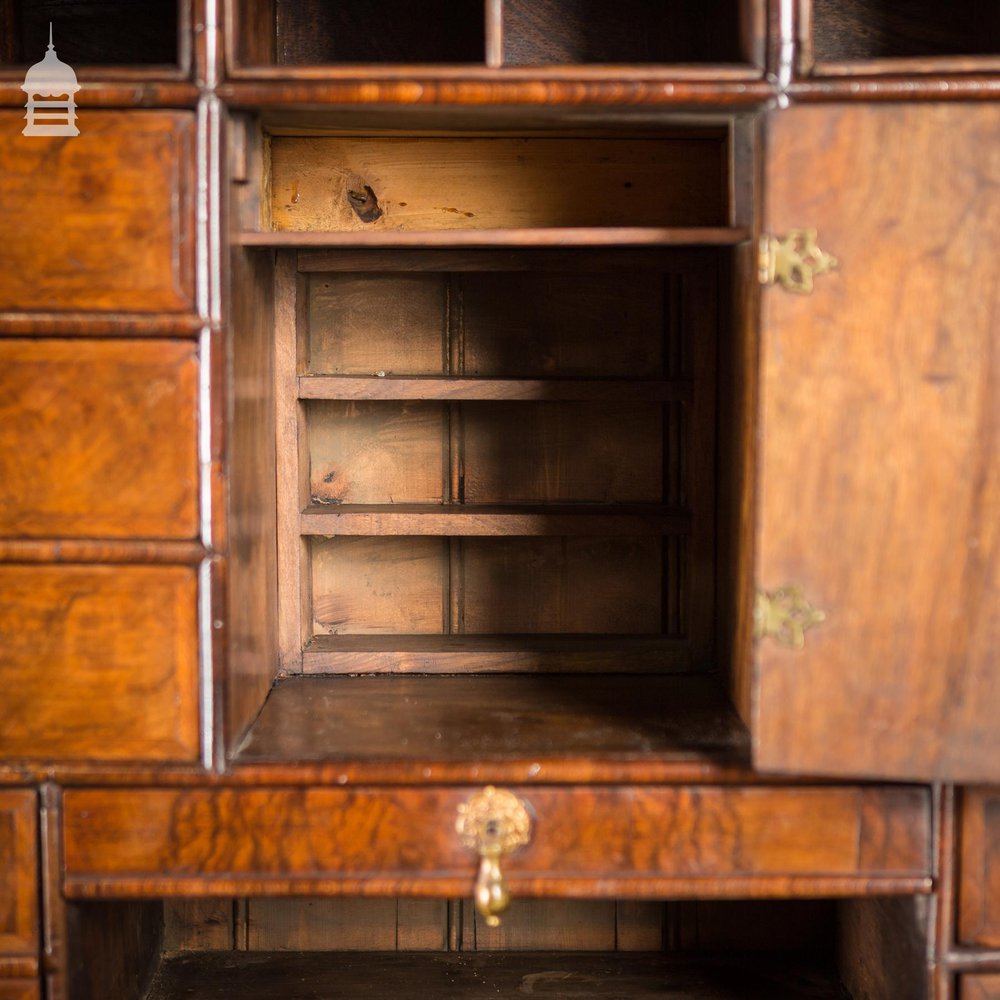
878	453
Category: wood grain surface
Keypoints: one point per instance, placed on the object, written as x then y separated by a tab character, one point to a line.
979	987
19	911
979	868
447	184
878	481
98	439
99	662
390	841
105	220
303	975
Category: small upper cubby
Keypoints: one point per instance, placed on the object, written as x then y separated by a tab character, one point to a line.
306	37
872	36
134	35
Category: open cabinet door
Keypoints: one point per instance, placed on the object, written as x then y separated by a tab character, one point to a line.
878	466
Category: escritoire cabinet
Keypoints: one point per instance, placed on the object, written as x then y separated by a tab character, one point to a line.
599	445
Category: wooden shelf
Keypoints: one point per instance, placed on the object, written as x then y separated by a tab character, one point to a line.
639	718
474	976
590	236
465	520
484	654
600	390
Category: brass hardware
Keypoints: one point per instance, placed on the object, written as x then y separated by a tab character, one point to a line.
794	260
493	822
784	615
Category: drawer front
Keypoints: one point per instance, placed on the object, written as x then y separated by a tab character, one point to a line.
101	221
98	439
979	871
18	875
586	840
98	662
979	987
20	989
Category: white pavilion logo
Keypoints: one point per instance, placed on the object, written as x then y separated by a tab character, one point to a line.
50	78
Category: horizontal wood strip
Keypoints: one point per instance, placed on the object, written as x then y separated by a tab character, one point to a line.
934	87
83	550
437	654
117	87
606	260
395	840
519	389
437	519
603	236
921	66
76	324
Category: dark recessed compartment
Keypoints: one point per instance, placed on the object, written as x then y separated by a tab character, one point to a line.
869	30
91	32
541	32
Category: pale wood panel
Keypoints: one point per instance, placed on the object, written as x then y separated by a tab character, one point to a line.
383	452
321	925
433	184
99	662
422	924
878	479
576	585
98	438
557	452
639	925
198	925
19	915
378	585
979	868
104	221
550	925
360	324
553	323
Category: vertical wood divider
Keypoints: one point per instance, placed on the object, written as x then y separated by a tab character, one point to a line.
291	564
494	33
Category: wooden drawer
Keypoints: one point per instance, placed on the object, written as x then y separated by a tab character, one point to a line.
19	917
98	439
104	220
979	987
587	841
979	871
98	662
19	989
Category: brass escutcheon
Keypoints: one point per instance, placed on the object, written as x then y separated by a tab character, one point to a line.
493	822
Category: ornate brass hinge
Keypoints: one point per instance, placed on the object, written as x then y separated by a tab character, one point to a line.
784	615
793	260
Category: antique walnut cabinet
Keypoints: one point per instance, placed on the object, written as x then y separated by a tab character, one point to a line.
482	452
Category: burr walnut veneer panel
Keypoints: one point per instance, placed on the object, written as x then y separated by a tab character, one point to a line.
979	891
100	221
98	439
878	482
98	662
19	918
587	840
979	987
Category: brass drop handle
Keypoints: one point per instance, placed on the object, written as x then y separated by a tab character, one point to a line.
493	822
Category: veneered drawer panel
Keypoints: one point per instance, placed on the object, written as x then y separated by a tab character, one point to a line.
589	839
98	662
19	989
979	873
18	874
98	439
979	987
103	220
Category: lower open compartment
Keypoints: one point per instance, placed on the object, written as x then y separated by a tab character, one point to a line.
326	949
